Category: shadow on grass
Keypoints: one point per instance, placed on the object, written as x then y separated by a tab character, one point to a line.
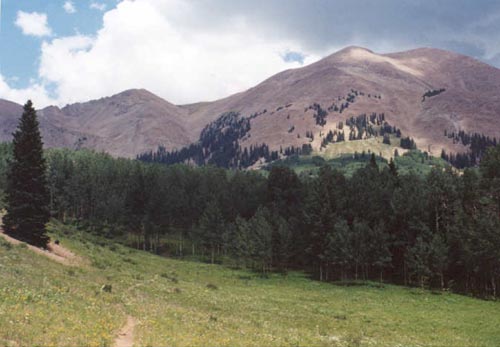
358	284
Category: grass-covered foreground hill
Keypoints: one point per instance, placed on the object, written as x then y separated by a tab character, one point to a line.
181	303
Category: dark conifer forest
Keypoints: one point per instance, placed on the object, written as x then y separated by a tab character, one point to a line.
438	231
219	145
477	145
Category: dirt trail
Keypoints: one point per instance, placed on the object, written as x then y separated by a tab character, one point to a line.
126	336
55	252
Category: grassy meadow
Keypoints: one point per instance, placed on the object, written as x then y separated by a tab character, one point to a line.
186	303
374	144
340	156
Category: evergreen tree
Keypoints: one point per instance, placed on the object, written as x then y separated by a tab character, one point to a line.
27	193
392	168
439	228
490	169
284	198
387	139
319	215
373	161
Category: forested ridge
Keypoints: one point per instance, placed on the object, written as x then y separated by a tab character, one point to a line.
476	143
219	144
438	231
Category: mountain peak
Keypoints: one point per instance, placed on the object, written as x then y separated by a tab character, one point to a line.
351	49
137	94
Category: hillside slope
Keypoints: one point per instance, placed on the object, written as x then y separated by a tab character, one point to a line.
125	124
135	121
468	103
186	303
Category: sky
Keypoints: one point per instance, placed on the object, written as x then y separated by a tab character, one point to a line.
64	51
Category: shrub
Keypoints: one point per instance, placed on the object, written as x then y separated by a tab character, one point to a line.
107	288
212	286
5	244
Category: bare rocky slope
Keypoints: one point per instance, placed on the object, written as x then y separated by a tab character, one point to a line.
136	121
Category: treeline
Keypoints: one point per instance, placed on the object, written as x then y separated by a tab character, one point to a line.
408	143
431	93
438	231
320	114
477	144
365	127
219	145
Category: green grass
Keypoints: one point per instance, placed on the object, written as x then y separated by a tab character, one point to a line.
417	162
374	144
310	164
341	156
45	303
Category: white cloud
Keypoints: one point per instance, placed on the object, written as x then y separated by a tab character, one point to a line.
140	46
160	46
35	91
34	23
69	7
97	6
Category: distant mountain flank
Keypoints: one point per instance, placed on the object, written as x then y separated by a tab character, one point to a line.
426	94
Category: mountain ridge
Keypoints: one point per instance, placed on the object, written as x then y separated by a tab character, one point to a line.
135	120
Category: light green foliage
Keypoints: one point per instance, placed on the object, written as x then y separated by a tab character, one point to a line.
418	162
374	144
211	224
349	162
417	259
260	238
170	300
340	246
5	153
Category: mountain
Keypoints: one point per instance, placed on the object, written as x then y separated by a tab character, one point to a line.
470	101
9	116
422	92
125	124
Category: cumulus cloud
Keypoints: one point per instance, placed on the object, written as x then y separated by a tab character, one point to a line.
142	44
37	92
33	24
97	6
188	51
69	7
468	27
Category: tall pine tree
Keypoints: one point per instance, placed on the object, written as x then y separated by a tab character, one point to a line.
27	194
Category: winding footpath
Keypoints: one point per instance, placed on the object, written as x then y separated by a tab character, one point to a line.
55	252
126	336
64	256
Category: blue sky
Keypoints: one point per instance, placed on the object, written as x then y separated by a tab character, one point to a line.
19	53
60	51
